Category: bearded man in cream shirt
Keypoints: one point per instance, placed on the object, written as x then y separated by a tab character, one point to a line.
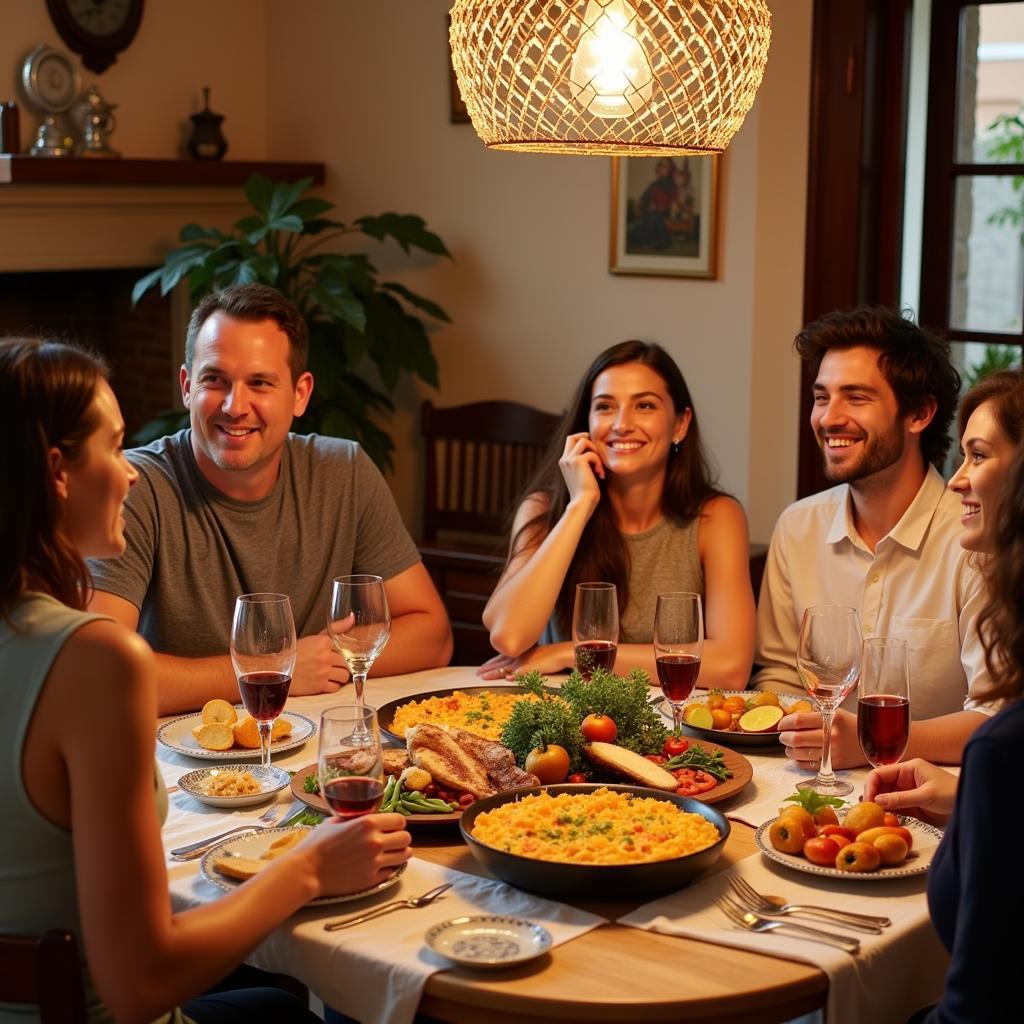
884	540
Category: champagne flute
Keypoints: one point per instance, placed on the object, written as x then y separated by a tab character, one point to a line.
359	624
828	660
350	764
678	645
883	706
263	657
595	627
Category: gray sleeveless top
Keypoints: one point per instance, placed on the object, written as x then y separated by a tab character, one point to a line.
662	560
37	866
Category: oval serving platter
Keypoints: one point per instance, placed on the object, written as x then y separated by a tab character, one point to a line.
926	841
723	736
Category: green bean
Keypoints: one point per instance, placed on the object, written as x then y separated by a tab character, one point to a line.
392	791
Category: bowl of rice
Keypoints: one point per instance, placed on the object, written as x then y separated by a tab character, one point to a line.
594	841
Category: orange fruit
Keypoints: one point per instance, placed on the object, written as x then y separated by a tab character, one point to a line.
720	719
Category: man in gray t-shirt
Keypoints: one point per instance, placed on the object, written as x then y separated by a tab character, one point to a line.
237	504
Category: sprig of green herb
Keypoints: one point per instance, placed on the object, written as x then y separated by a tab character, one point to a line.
311	784
700	760
536	723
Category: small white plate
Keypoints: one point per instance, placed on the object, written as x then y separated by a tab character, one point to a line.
255	845
271	780
926	841
177	735
489	941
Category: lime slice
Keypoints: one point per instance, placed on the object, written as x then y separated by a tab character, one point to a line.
698	716
761	719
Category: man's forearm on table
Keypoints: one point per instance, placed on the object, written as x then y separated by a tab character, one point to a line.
186	684
418	641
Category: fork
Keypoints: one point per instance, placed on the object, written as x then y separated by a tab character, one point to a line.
193	850
745	919
774	907
417	901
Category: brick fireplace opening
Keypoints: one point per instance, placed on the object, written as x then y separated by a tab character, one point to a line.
93	307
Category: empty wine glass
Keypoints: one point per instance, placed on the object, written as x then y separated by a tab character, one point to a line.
350	765
595	627
883	705
263	657
359	624
828	660
678	646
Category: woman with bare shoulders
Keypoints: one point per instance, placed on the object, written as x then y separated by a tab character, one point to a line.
625	496
968	886
77	716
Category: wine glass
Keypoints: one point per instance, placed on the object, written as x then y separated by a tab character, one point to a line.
828	660
678	645
595	627
350	765
883	706
359	624
263	657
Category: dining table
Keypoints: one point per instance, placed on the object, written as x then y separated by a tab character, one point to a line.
613	972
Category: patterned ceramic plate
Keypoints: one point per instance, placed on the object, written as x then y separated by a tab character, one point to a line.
489	941
255	845
271	780
177	735
926	840
723	736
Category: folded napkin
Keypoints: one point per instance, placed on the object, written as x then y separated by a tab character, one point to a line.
376	971
894	974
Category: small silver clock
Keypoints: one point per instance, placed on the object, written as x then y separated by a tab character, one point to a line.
50	80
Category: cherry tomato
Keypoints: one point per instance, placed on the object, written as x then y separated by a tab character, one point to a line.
577	777
891	820
674	746
466	799
656	758
734	704
839	830
693	781
599	729
550	764
821	850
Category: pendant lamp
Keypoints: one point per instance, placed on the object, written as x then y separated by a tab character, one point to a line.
611	77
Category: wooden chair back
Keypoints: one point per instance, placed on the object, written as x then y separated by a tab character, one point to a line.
478	458
44	971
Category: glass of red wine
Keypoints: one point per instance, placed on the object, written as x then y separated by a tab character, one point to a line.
350	764
883	705
263	657
595	627
678	645
828	656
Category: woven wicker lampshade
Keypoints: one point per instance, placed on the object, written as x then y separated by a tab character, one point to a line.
616	77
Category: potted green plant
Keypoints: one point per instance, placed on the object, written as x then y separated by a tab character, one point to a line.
354	318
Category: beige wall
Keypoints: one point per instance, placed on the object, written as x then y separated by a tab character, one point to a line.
363	87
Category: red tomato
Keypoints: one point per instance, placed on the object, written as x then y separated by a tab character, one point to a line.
577	777
821	850
466	799
838	830
550	764
656	758
674	746
693	781
599	729
840	841
890	820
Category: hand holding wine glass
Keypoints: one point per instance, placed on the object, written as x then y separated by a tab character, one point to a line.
263	657
350	764
595	627
678	646
359	624
883	705
828	660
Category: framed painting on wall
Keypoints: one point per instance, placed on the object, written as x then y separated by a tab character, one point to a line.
665	216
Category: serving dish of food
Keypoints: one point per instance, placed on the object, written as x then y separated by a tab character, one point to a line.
864	844
233	786
737	718
582	839
236	860
198	735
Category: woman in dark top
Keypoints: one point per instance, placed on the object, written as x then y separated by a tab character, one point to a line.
973	894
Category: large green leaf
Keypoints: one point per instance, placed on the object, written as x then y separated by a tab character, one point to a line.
310	207
144	284
408	230
335	298
428	307
285	196
258	190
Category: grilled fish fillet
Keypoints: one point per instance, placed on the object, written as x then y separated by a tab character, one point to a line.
435	751
498	761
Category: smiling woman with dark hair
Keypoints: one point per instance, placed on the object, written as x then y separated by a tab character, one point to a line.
625	496
77	710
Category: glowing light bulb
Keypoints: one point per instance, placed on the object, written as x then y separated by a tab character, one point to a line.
610	73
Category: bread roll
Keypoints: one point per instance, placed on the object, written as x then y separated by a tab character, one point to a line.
219	712
214	736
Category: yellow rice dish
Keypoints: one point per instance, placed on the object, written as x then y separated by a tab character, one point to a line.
602	827
484	714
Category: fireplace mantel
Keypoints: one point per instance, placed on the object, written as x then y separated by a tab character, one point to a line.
77	214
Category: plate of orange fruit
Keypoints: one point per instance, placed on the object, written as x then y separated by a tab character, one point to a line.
738	718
